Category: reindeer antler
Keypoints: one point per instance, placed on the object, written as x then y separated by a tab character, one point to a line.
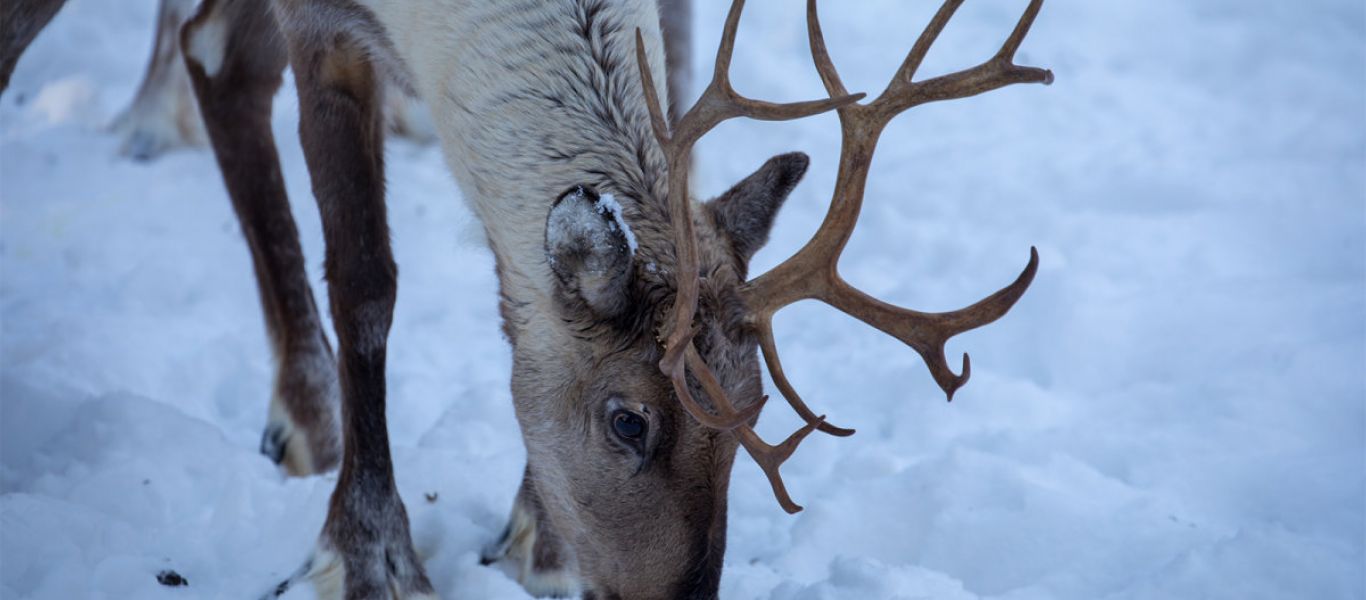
813	271
718	103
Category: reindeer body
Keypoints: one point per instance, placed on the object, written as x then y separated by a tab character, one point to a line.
530	98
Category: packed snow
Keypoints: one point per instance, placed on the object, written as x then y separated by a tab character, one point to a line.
1176	409
607	204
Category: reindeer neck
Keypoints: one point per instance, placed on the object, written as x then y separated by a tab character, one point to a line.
530	98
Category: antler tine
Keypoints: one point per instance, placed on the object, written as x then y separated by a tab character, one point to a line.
820	55
906	73
1012	43
927	333
720	101
997	72
721	71
775	369
727	417
647	81
770	458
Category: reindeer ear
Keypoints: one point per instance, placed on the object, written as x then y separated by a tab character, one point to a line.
746	211
589	247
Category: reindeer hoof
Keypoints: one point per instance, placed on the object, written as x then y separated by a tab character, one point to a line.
273	442
143	146
366	554
298	451
148	132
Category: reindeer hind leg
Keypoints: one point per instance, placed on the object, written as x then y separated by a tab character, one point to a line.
163	115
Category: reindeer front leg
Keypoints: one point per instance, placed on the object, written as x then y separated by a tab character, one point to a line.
365	550
235	57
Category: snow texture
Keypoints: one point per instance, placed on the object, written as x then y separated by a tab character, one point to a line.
574	222
607	204
1176	409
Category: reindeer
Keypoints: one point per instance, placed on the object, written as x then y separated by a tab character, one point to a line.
634	326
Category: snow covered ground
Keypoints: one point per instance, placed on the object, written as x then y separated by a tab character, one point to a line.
1176	409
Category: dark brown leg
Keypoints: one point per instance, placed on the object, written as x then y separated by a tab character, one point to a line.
20	22
675	17
163	114
365	550
234	57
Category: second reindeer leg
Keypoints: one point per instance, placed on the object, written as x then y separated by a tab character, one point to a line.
163	115
365	550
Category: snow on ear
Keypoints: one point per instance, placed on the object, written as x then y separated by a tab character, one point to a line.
746	211
589	247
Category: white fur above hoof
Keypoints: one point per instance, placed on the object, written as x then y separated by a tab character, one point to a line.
151	128
389	576
290	446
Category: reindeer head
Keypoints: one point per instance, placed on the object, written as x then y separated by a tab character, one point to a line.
640	484
660	381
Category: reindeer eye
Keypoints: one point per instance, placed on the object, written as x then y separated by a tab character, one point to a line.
630	426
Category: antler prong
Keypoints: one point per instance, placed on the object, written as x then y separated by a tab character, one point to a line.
771	458
820	54
906	73
927	333
789	445
647	81
727	418
1017	36
999	71
720	101
775	369
770	111
721	71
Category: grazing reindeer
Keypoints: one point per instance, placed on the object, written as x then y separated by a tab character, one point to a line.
633	325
